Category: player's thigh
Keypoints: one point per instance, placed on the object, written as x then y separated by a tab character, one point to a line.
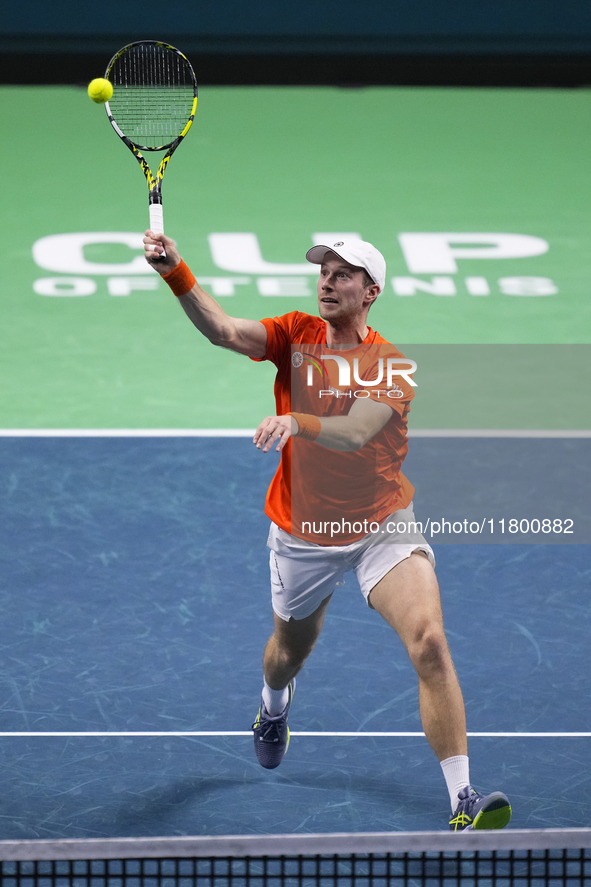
408	598
300	635
302	580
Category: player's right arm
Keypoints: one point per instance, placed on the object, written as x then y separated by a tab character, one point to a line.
236	333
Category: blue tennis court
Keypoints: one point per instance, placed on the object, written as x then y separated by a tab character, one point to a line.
135	599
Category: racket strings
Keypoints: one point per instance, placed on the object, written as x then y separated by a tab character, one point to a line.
153	92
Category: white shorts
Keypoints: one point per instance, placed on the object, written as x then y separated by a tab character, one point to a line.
304	573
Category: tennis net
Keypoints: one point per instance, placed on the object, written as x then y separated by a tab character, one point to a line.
513	858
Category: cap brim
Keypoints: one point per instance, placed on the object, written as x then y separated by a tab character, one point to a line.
317	253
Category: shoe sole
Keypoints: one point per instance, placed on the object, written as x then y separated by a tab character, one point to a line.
496	814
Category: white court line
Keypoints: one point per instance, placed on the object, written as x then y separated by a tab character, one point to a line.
126	432
499	432
340	734
248	432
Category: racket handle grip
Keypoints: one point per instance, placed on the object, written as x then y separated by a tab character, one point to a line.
157	221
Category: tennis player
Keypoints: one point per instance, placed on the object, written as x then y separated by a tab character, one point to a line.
339	500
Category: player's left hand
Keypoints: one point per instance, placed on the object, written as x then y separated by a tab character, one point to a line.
272	429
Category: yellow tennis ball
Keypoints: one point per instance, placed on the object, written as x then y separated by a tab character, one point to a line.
100	90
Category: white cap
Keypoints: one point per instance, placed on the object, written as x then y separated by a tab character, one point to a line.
355	252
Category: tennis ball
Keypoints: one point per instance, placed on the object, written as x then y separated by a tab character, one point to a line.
100	90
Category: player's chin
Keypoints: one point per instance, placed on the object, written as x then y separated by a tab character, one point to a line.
328	309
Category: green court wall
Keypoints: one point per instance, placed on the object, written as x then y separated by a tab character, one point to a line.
282	164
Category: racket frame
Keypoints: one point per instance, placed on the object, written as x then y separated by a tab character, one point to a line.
154	181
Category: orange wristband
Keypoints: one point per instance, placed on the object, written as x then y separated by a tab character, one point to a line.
180	279
309	426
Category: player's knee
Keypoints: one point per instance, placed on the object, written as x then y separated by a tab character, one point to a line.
429	652
285	652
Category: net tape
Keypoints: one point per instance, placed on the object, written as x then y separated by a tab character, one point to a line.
240	846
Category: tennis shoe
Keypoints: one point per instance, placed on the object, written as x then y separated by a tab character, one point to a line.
476	811
271	734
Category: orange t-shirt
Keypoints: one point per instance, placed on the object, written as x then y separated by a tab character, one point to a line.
319	494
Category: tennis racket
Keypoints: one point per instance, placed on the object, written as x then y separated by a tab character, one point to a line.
152	108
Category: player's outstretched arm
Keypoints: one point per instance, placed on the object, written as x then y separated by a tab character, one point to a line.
344	433
238	334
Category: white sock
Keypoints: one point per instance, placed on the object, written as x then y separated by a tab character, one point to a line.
457	776
275	700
